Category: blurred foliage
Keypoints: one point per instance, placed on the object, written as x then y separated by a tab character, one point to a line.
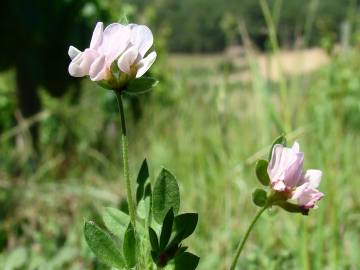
201	26
7	104
344	81
42	209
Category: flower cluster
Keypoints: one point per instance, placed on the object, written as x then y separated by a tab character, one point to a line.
117	54
287	176
291	187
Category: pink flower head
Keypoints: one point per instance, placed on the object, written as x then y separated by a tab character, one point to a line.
133	61
306	193
286	175
126	44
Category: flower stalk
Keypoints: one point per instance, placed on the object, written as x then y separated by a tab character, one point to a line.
124	142
246	236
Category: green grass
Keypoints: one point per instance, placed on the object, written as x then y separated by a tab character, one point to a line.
209	134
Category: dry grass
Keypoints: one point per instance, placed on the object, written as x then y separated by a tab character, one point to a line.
270	66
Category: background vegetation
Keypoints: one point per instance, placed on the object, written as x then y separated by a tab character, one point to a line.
202	26
209	119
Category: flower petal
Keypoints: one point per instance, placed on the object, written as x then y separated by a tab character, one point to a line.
73	52
296	147
145	64
313	177
74	67
115	40
279	186
127	59
285	165
80	65
294	171
141	37
98	70
307	196
299	191
96	38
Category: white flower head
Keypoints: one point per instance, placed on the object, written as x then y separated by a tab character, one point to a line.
124	45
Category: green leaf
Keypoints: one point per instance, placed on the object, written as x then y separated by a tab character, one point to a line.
129	246
279	140
143	173
143	208
180	251
259	197
186	261
261	172
16	258
102	245
153	240
140	85
166	229
141	180
147	190
166	195
115	221
185	224
154	255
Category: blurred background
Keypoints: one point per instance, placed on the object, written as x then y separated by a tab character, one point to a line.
233	75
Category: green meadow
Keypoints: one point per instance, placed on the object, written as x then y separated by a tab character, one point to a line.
210	118
209	130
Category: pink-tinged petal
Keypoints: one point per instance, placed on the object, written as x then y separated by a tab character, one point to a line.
307	196
127	59
74	67
274	164
296	147
145	64
97	36
115	40
294	171
279	162
80	65
98	70
285	165
313	177
299	191
73	52
141	37
279	186
275	156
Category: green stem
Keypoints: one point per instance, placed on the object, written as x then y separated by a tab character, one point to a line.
124	143
246	236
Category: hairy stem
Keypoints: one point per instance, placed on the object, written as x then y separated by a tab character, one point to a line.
124	142
246	236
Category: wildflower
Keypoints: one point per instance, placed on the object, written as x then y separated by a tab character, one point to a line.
116	55
133	61
288	178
